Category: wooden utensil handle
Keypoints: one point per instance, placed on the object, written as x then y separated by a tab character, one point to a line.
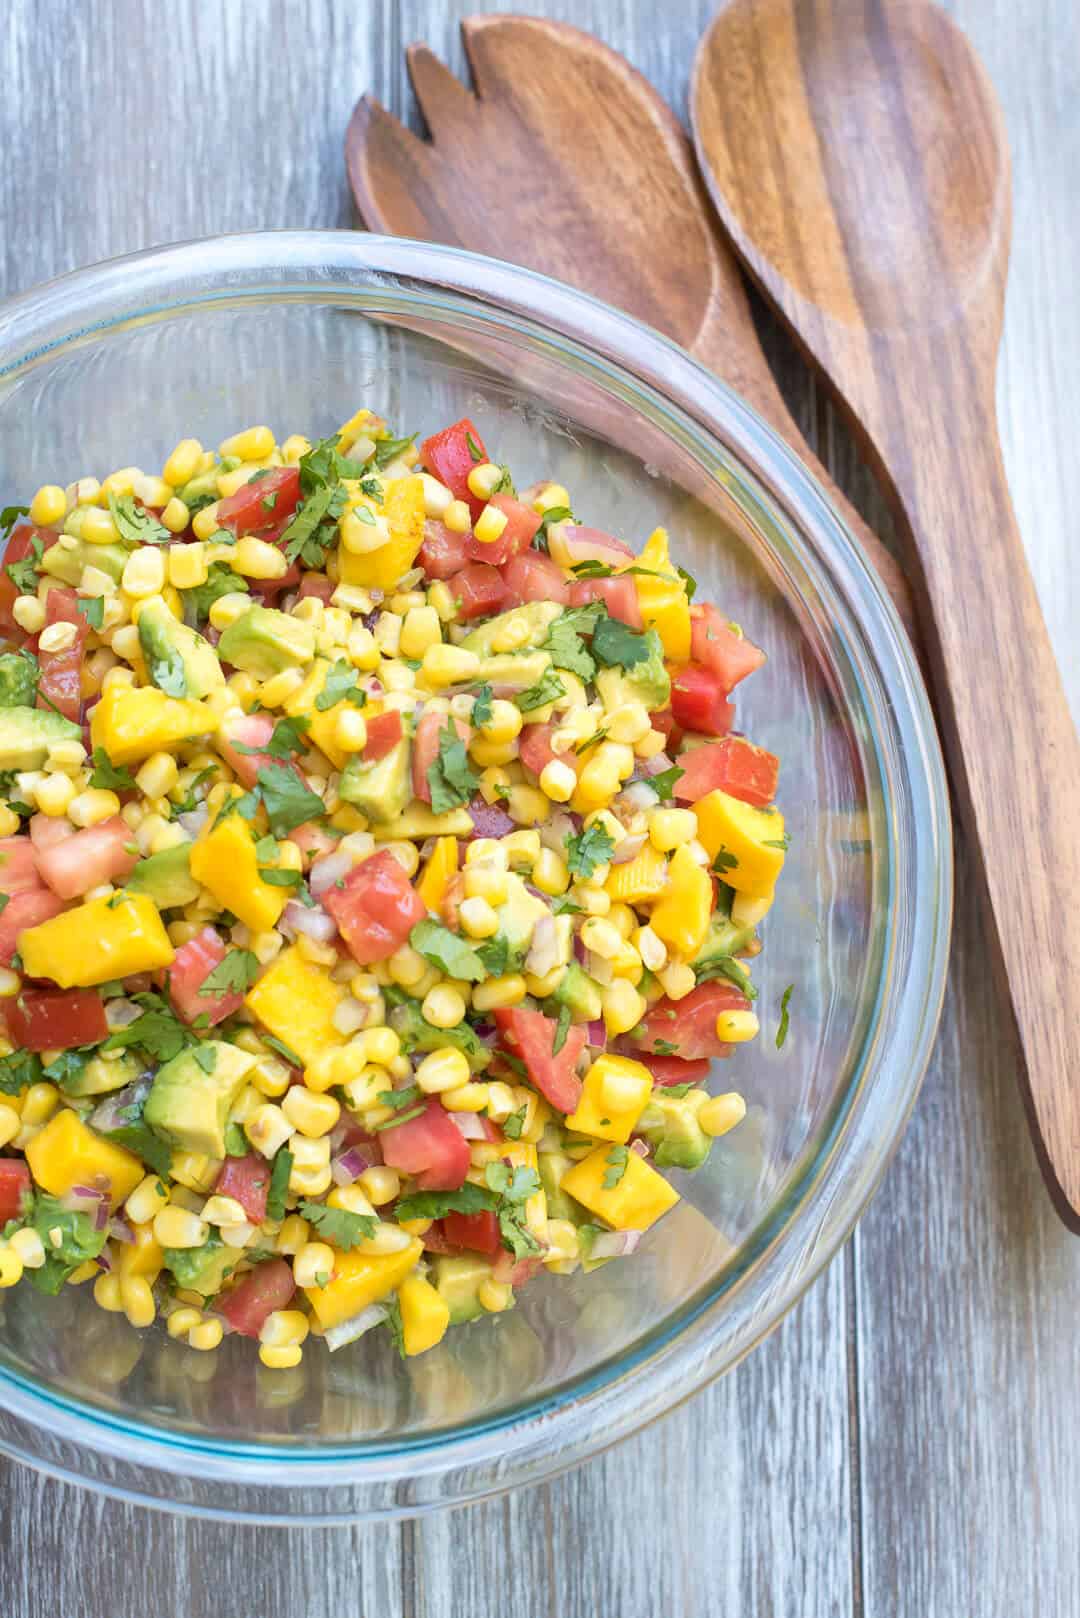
1015	760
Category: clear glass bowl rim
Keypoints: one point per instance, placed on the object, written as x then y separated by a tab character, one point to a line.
350	1482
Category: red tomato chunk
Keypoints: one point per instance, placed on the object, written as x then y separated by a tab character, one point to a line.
42	1020
431	1146
732	765
376	909
247	1180
194	963
270	1286
530	1036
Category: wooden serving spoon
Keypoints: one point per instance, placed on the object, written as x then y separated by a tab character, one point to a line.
567	161
858	160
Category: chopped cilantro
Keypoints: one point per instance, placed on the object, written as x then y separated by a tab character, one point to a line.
106	774
289	801
236	1142
664	1047
220	581
513	1125
564	638
446	950
403	1118
340	686
664	783
473	447
468	1199
785	1019
481	712
778	842
339	1227
157	1031
563	905
286	739
726	966
279	876
616	646
588	850
450	777
394	1323
282	1049
92	609
279	1184
190	801
206	1057
562	1028
24	574
689	582
17	1071
547	689
234	975
724	861
616	1160
495	955
397	1100
9	516
388	449
136	525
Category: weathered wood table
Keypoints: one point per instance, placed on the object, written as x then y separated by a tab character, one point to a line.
905	1444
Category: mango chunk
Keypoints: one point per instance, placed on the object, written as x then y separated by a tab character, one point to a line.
403	507
131	723
643	877
65	1154
751	840
224	860
295	1001
425	1314
437	872
663	600
681	918
97	941
361	1279
595	1114
634	1202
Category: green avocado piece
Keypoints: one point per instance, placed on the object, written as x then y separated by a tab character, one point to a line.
202	490
580	993
518	670
166	877
67	565
18	680
417	1034
669	1124
647	681
537	616
458	1280
26	734
189	1105
518	916
98	1077
380	790
179	661
722	938
560	1205
265	642
202	1269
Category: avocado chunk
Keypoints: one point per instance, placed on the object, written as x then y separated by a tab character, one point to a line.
647	681
723	937
518	670
580	993
560	1205
99	1077
202	1269
202	490
382	789
518	916
265	642
67	565
166	877
669	1124
458	1280
536	616
190	1105
179	661
18	680
26	734
417	1034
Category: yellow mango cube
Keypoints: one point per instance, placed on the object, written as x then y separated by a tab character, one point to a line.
634	1202
142	1257
639	879
663	600
437	872
425	1314
403	507
97	941
323	721
296	1000
752	841
224	860
359	1280
65	1154
132	722
681	917
594	1115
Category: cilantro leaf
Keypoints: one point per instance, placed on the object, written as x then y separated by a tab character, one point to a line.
339	1227
473	447
138	1137
279	876
159	1032
450	777
283	1050
481	712
302	538
785	1019
106	774
24	574
468	1199
495	955
234	975
547	689
388	449
236	1142
17	1071
664	1047
166	670
136	525
589	849
513	1126
564	640
514	1184
725	861
279	1184
563	905
562	1028
726	966
689	582
69	1239
190	801
397	1100
616	646
92	609
664	783
444	949
289	800
68	1067
778	842
340	686
616	1160
288	737
394	1323
9	516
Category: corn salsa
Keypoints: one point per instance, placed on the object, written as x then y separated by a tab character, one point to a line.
380	873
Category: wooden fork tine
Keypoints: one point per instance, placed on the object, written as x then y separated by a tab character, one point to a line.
443	99
390	170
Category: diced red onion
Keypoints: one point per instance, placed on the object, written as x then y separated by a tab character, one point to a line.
106	1116
596	1033
349	1166
641	1147
486	1033
312	921
656	765
104	1260
580	951
193	820
557	830
628	849
470	1124
639	795
122	1013
119	1230
325	872
543	953
599	968
612	1244
489	819
101	1214
349	1330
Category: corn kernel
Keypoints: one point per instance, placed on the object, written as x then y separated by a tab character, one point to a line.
736	1027
107	1293
28	1245
406	967
54	794
314	1115
268	1129
558	781
181	1320
206	1336
284	1328
183	464
670	828
178	1227
498	992
444	1069
437	497
252	444
601	938
29	613
144	572
483	881
651	947
489	525
528	806
258	559
478	919
49	506
57	637
314	1261
457	517
148	1199
228	608
380	1184
551	497
293	1235
484	479
722	1113
677	980
494	1296
138	1300
204	524
362	648
97	528
623	1006
295	447
467	1098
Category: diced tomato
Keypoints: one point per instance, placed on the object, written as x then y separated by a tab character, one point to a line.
673	1070
383	733
376	909
14	1187
270	1286
663	720
265	503
451	455
61	672
435	1239
478	1232
535	749
479	591
593	545
88	858
530	1036
521	525
18	548
47	830
317	584
46	1019
426	749
194	962
18	864
532	576
313	840
249	730
618	595
431	1146
514	1272
699	702
25	910
268	590
247	1179
443	553
714	643
690	1024
731	765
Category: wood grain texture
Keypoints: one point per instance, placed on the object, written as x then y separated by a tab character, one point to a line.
515	171
860	164
951	1319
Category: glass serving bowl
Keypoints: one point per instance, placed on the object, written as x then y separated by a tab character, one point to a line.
113	365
